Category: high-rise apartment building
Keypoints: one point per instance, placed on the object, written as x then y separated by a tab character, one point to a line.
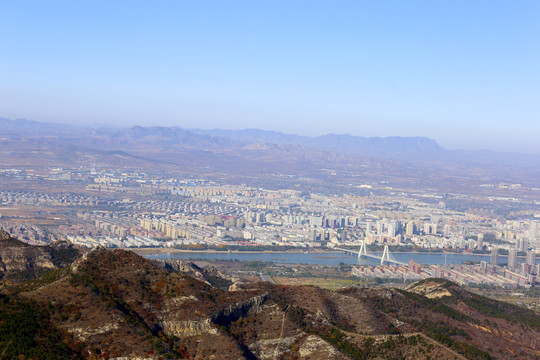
512	258
369	228
533	230
380	227
392	229
480	243
494	256
446	229
409	230
524	245
531	258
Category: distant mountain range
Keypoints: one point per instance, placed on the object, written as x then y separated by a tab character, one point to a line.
257	151
388	147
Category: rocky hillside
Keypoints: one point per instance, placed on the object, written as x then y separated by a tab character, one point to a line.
114	304
20	261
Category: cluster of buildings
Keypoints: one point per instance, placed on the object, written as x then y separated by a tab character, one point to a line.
514	273
123	209
33	235
484	273
522	273
411	272
113	242
27	198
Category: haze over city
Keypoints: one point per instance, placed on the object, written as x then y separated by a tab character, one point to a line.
463	73
269	180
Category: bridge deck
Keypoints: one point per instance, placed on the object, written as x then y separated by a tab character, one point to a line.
371	256
378	258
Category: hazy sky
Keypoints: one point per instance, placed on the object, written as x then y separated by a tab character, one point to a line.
466	73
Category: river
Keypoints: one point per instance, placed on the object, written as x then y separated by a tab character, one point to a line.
327	258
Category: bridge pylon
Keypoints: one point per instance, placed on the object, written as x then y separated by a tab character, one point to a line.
385	255
363	250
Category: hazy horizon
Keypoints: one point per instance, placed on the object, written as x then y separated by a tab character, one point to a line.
464	74
120	127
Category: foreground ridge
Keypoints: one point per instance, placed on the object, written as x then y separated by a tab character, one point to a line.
115	304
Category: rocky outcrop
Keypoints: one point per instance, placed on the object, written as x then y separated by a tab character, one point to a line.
270	349
430	289
84	333
20	261
188	328
22	258
240	310
184	266
210	276
235	286
316	348
4	235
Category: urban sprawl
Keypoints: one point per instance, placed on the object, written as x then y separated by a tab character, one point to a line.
118	209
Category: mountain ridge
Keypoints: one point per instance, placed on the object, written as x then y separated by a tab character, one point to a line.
239	138
341	143
254	153
114	304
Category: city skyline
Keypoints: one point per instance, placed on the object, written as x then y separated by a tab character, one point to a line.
463	73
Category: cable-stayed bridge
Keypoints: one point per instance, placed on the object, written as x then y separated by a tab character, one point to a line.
386	257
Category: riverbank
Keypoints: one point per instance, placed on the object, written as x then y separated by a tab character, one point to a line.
162	250
327	258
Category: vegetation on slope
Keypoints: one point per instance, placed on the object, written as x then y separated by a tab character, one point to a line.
129	298
26	332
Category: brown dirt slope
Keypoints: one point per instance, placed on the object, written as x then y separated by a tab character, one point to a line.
116	304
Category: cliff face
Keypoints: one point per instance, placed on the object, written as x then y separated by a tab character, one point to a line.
183	329
20	261
209	276
17	260
224	317
4	235
240	310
